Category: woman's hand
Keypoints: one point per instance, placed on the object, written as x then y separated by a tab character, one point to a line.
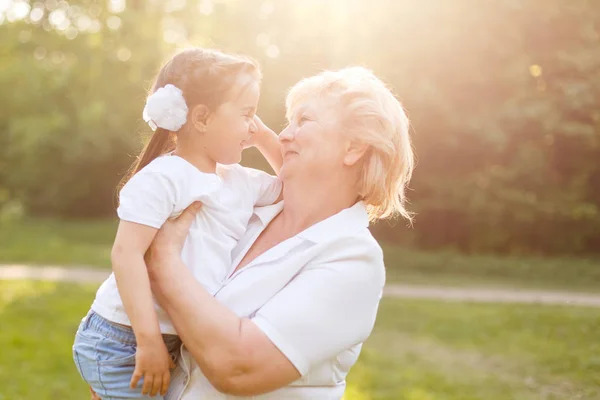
163	258
170	238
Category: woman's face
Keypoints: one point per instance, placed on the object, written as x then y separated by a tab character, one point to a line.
313	142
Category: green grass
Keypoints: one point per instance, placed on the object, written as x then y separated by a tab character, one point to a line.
50	241
56	242
419	350
38	325
452	268
426	350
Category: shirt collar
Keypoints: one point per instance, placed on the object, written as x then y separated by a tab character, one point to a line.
345	223
267	213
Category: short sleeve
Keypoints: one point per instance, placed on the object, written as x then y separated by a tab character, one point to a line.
148	198
326	308
264	187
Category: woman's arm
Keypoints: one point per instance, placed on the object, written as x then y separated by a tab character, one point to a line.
234	355
323	311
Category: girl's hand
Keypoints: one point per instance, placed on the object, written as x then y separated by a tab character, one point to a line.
94	394
260	136
267	142
153	363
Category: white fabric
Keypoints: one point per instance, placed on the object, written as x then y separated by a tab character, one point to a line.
166	108
315	296
163	189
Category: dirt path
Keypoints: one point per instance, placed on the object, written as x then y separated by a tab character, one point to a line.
446	293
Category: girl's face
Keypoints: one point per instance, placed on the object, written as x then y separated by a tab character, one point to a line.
232	124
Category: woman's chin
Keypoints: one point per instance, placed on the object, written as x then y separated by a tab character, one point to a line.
284	172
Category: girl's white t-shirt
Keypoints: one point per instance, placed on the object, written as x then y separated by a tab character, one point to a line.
166	187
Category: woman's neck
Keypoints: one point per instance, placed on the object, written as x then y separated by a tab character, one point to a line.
308	205
197	158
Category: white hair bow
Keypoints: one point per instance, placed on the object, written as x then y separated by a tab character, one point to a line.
166	108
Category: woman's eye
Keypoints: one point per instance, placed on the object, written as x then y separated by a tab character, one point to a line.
303	119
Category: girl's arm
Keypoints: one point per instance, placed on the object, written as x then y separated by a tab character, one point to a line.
152	358
266	141
127	256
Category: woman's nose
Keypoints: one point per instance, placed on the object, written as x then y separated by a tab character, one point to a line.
287	134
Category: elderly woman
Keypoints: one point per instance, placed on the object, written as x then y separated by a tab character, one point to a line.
302	294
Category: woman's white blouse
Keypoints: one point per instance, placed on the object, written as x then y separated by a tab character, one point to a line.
314	295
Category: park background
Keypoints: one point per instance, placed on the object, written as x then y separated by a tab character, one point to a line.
503	97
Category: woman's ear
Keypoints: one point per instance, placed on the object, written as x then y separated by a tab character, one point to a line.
199	117
354	152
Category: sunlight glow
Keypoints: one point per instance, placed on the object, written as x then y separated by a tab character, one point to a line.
58	18
124	54
71	33
116	6
266	9
40	53
18	11
272	51
5	5
206	7
535	70
113	22
36	14
83	23
262	39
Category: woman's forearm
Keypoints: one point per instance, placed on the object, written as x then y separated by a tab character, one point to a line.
210	331
232	352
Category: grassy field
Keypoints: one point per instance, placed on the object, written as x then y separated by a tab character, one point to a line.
420	350
427	350
451	268
39	321
49	241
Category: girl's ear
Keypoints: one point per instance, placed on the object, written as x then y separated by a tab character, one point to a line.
199	117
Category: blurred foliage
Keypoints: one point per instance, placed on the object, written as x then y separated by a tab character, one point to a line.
87	242
503	96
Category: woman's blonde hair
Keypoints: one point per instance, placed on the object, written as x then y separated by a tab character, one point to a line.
372	115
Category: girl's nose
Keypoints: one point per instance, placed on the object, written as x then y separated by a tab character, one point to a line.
253	127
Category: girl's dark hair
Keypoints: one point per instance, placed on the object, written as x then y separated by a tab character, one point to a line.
205	77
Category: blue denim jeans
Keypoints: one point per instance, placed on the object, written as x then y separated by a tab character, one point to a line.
104	354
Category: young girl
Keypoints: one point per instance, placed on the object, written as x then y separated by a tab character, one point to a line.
203	112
